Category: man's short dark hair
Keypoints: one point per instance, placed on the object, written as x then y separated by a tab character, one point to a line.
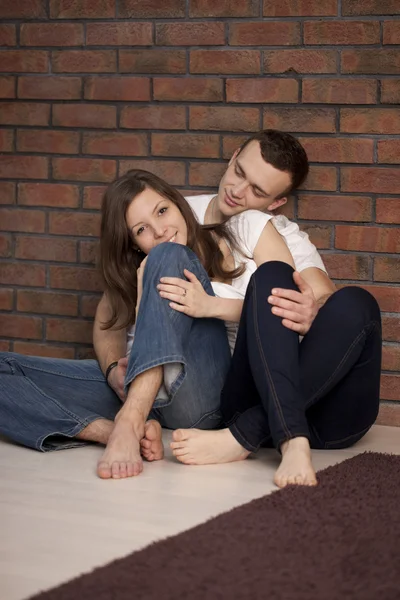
284	152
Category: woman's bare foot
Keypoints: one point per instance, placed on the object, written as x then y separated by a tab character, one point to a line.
151	446
296	466
197	447
121	457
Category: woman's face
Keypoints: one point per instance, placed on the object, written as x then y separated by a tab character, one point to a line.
152	220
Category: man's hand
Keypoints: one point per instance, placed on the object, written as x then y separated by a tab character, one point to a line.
297	309
188	297
116	378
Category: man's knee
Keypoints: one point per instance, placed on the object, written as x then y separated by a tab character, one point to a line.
355	300
275	274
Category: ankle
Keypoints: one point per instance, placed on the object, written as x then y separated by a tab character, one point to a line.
297	443
132	416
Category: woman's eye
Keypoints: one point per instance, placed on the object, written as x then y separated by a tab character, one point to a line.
139	231
163	210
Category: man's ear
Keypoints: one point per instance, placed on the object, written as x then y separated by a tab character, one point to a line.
277	203
234	156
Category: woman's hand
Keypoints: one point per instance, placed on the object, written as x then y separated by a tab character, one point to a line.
139	275
187	297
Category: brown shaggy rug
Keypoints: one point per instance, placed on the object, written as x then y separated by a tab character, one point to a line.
339	540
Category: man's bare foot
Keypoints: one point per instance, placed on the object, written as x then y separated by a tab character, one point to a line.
296	466
197	447
151	446
121	457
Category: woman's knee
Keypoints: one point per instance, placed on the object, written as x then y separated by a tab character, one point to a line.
169	253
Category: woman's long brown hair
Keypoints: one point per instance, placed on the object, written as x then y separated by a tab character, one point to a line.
119	260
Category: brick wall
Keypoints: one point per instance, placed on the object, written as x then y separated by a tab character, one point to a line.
91	88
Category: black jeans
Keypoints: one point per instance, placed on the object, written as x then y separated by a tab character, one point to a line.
325	388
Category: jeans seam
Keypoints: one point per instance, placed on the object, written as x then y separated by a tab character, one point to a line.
274	394
154	363
349	350
73	434
362	432
246	443
34	368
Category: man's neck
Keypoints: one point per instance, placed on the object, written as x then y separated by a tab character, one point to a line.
212	214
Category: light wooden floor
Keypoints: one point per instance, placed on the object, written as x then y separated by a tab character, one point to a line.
57	519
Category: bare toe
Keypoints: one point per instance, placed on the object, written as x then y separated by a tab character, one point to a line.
104	470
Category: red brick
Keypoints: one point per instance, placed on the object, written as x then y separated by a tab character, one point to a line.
389	415
388	297
7	192
84	61
171	171
230	143
24	61
222	118
39	140
5	246
19	219
5	346
311	120
299	61
69	330
89	252
390	91
320	235
207	174
88	115
264	33
390	387
85	353
340	91
300	8
51	34
152	61
370	120
6	299
223	8
74	223
262	90
7	86
84	169
191	145
24	113
15	273
151	9
75	278
341	32
32	349
388	210
8	35
199	89
288	209
45	248
367	239
190	34
93	196
116	144
82	9
48	194
321	179
334	208
370	7
225	62
6	140
388	151
21	327
47	303
391	328
391	32
47	87
372	180
346	266
153	117
20	9
371	61
387	269
23	167
122	89
338	150
89	305
119	34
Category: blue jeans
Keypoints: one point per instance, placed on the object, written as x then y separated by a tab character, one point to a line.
46	402
325	389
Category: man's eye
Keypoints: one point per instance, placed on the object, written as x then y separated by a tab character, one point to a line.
258	194
238	173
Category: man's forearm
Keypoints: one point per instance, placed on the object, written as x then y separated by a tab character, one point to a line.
321	301
109	344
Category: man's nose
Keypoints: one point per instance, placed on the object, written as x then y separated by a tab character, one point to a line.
239	189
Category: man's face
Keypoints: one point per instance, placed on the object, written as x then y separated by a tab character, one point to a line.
251	183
